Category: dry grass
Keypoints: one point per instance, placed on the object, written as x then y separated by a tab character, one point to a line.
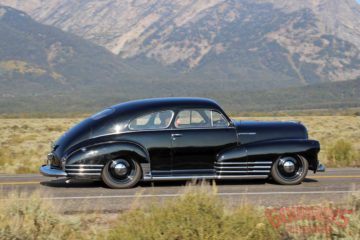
26	140
23	217
31	216
198	213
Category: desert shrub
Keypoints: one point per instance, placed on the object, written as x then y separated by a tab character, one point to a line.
197	214
23	217
342	153
56	128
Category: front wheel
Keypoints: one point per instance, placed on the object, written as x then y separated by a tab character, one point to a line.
121	173
289	170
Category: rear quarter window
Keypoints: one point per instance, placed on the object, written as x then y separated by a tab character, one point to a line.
155	120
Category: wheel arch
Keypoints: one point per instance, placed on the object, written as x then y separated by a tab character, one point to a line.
101	153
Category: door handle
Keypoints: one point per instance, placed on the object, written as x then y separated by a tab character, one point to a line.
175	135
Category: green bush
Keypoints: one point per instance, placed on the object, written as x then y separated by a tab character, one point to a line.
341	154
198	214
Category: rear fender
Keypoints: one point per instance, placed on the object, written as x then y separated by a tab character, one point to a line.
100	154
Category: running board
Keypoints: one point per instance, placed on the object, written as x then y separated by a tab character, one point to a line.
169	178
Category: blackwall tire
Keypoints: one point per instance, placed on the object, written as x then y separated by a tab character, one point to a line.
289	170
114	175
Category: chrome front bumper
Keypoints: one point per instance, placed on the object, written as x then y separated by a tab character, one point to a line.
320	168
51	172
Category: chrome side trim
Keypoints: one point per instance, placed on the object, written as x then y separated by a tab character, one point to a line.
84	165
259	167
247	133
258	171
168	178
47	171
84	174
254	163
231	163
243	163
231	167
230	171
246	171
82	170
241	167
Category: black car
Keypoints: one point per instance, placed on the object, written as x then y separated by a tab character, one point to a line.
180	139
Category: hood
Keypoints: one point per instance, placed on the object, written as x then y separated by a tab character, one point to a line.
256	131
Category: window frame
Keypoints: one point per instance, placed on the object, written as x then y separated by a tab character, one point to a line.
211	122
149	113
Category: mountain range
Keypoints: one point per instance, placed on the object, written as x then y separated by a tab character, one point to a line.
115	49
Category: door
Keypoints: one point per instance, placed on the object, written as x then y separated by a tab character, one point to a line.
198	135
153	132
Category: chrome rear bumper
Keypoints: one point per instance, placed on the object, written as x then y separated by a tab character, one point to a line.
321	168
51	172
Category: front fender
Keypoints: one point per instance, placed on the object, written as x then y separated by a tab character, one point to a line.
271	150
99	154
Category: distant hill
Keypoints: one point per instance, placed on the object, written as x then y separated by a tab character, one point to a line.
36	59
335	96
257	44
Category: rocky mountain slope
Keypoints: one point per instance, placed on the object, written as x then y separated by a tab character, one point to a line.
264	42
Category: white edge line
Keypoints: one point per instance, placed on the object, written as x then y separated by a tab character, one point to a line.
177	194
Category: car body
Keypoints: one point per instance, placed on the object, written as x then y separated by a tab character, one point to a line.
180	139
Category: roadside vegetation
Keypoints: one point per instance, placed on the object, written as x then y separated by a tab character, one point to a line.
27	140
197	213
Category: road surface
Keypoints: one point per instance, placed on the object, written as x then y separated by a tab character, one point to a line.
335	185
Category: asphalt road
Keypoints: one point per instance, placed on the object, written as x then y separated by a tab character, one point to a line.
335	185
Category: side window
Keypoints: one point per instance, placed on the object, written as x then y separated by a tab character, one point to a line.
218	120
191	119
155	120
199	118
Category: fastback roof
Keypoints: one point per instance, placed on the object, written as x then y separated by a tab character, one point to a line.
156	103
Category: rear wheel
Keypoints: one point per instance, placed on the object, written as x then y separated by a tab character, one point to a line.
121	173
289	170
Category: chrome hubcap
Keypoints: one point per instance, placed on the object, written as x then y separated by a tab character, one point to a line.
289	166
119	168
